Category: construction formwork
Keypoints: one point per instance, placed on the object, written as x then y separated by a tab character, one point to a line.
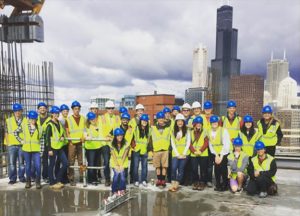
21	82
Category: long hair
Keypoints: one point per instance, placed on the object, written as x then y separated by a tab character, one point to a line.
115	142
251	130
176	129
143	132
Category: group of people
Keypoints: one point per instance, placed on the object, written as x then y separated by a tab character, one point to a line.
185	144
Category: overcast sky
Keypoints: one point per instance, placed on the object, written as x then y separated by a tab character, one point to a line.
116	47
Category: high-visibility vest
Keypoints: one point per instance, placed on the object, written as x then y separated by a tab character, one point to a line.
264	166
160	141
76	131
31	142
233	129
133	123
141	144
217	141
109	123
93	133
231	157
11	127
56	143
44	125
190	122
270	137
248	145
199	143
206	122
120	156
180	145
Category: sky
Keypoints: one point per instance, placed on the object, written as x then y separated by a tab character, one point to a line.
116	47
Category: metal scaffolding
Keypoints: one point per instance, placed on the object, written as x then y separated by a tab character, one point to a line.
25	83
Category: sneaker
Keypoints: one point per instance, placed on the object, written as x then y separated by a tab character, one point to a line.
95	183
136	184
23	180
263	194
38	184
163	183
12	182
209	184
144	183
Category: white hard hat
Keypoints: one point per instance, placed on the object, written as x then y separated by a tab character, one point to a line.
196	104
179	116
109	104
94	105
186	106
139	106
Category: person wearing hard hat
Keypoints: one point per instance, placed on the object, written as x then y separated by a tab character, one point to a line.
208	112
159	145
75	126
54	140
139	147
31	148
122	110
270	131
196	108
64	110
232	121
199	154
249	135
237	166
262	171
186	111
42	122
219	145
139	110
94	108
119	161
180	141
92	146
110	121
15	146
175	111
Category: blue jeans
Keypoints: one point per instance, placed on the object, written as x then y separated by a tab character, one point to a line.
15	153
105	150
178	164
45	163
119	181
92	155
35	159
137	157
61	156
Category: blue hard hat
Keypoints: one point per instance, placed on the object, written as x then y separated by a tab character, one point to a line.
123	109
267	109
231	103
208	105
197	120
176	108
214	119
17	107
91	116
32	114
160	115
166	110
144	117
237	142
259	145
125	116
118	132
248	118
42	104
54	110
64	107
75	104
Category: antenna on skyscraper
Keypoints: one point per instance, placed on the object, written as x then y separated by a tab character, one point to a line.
272	55
284	55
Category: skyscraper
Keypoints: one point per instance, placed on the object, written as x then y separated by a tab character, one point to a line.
200	73
226	63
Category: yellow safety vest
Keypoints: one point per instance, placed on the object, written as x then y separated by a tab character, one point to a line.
56	143
31	143
270	137
120	156
133	123
233	129
44	125
216	142
109	124
141	143
248	145
94	134
265	166
239	162
180	145
206	123
76	131
198	144
161	141
11	127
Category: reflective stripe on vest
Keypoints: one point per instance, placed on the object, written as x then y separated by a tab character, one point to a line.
233	129
11	127
265	166
270	137
141	143
239	162
198	144
119	155
161	141
180	145
76	131
94	134
206	123
56	143
217	141
248	145
31	142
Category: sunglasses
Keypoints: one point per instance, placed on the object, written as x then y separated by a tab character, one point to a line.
185	110
110	108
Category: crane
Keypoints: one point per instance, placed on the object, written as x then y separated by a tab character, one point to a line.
20	6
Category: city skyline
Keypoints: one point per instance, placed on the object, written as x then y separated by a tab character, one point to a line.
149	45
